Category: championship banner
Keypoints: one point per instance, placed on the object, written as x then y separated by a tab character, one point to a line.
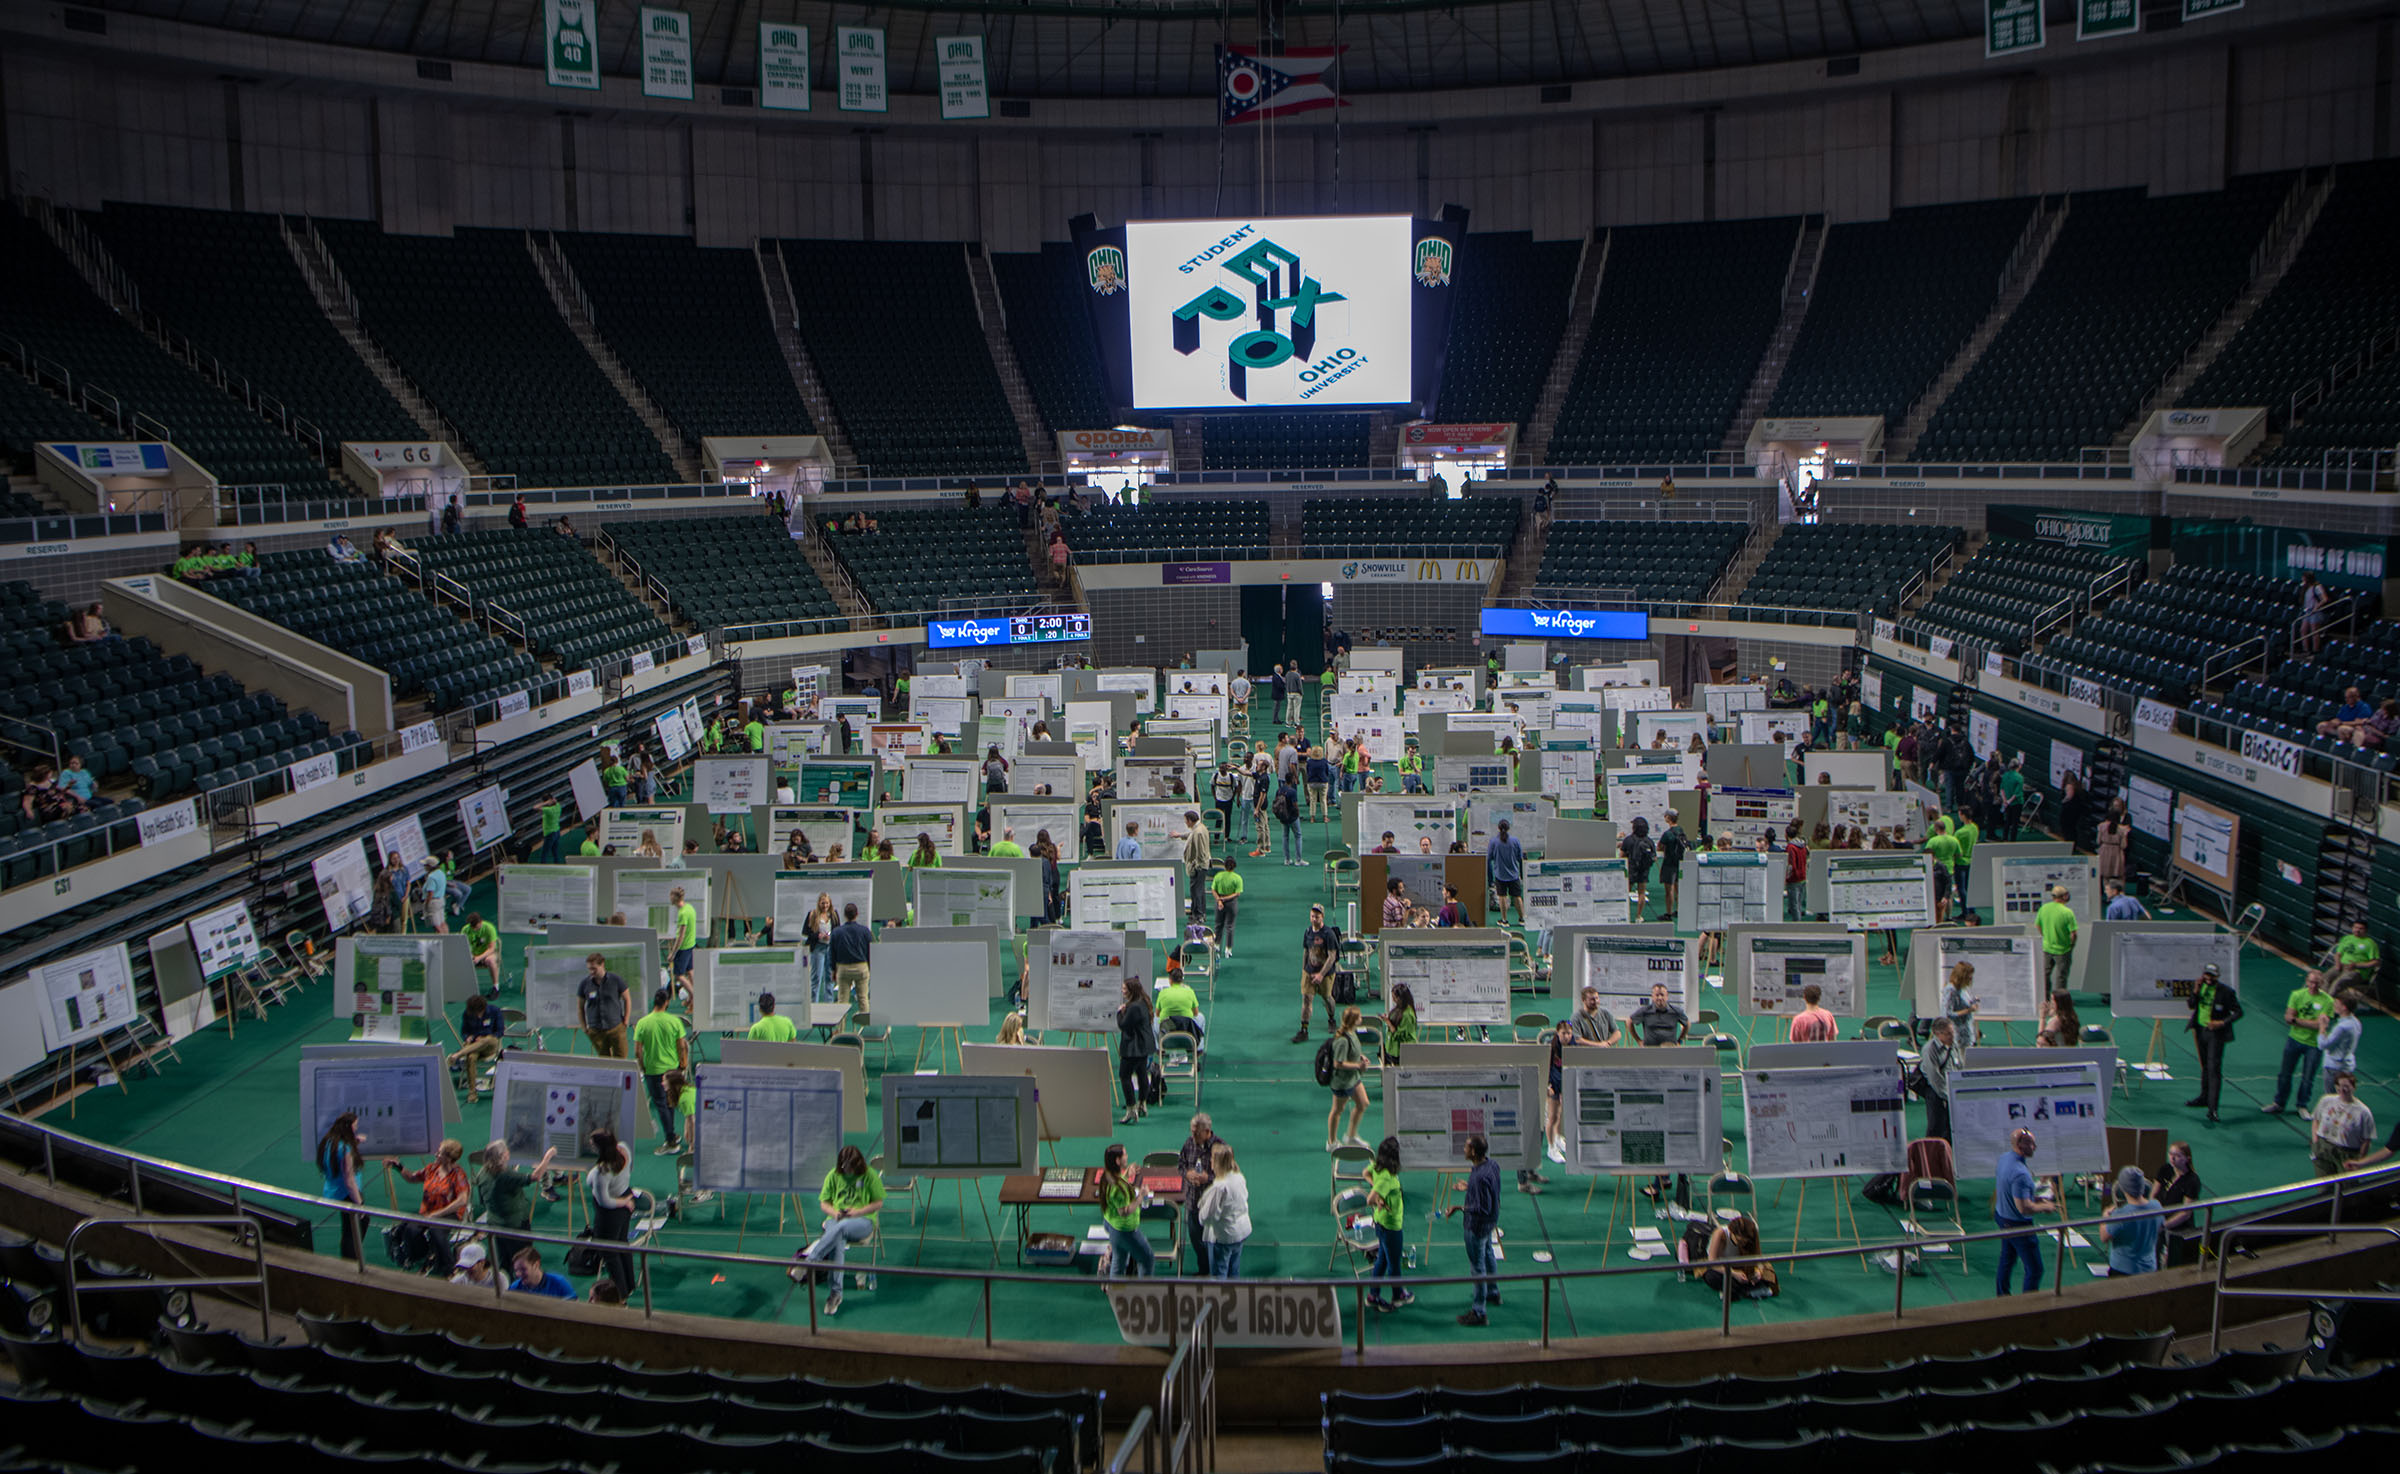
964	94
666	54
783	67
859	55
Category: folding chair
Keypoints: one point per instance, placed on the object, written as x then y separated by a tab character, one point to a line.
1539	1025
1729	1183
1179	1055
1933	1185
1521	977
1871	1027
1357	1239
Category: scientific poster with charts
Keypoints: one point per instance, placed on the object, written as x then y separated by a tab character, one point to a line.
1408	819
2155	973
1879	890
1894	814
959	1125
1087	981
1983	734
1870	690
945	824
675	738
796	893
764	1129
1192	707
1382	738
1575	893
625	829
1019	713
2007	981
85	996
554	974
392	1095
962	897
647	897
1640	793
2063	1106
1032	817
1093	747
2150	806
1741	815
1502	725
924	684
1651	1118
1432	1112
2065	758
1624	968
944	714
1771	968
1045	684
1724	703
1417	703
345	884
1155	778
1047	777
896	742
1131	899
388	988
539	1104
1142	684
484	815
224	940
405	838
533	896
849	782
1570	776
733	785
1678	727
1161	827
824	829
2205	836
1453	773
792	743
1844	1121
1728	888
2021	883
736	976
1636	698
1461	981
1767	726
1528	821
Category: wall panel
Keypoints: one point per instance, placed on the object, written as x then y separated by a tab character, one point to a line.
2308	101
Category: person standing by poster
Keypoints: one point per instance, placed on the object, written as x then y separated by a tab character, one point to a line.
1481	1205
2015	1201
2215	1009
600	1007
1506	861
664	1048
2304	1014
2056	922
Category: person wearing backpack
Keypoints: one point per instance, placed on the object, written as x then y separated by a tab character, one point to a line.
1638	849
1340	1063
1672	846
1287	813
1320	953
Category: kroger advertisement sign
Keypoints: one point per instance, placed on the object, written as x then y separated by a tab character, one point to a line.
1567	624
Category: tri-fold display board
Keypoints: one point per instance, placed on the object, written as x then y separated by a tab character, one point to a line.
960	1125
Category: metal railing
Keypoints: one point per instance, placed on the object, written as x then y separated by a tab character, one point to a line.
1551	1281
2330	1232
244	1229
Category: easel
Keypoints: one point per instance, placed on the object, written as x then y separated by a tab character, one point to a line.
67	1090
1447	1183
1621	1202
730	907
991	1235
938	1033
2158	1042
786	1204
1841	1209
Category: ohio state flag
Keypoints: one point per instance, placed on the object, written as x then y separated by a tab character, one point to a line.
1251	87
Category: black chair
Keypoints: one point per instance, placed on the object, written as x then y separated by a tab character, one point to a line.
1895	1414
43	1360
1349	1463
981	1432
1549	1461
339	1333
283	1358
1639	1427
477	1355
740	1417
1381	1406
826	1456
1384	1438
199	1346
1883	1452
1667	1458
1524	1433
1490	1402
1757	1455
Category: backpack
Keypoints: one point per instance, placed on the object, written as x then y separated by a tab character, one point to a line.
1325	1064
1639	850
1287	808
1672	845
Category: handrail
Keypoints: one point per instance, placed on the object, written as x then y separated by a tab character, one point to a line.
1140	1436
1549	1279
245	1229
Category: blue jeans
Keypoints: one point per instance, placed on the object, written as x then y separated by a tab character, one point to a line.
1291	842
616	797
1130	1253
834	1243
662	1107
548	853
2025	1248
820	974
2306	1057
1483	1266
1225	1260
1387	1262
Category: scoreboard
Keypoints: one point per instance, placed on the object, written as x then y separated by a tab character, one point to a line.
1019	629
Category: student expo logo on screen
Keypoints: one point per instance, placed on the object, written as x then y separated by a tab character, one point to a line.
1283	306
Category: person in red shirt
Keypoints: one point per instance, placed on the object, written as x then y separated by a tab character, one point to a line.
1813	1024
1795	874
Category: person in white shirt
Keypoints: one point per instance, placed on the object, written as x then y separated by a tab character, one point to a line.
1225	1214
2342	1127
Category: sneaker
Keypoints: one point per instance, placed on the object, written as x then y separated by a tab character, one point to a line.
1375	1304
2270	1110
1405	1297
1302	1036
1353	1140
1473	1318
833	1304
1556	1155
668	1150
2196	1101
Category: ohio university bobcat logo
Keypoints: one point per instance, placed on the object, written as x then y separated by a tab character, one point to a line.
1433	262
1106	268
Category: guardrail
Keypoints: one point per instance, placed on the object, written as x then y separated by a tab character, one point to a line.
1711	610
1075	1289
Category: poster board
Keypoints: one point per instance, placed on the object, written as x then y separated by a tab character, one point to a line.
1869	768
1760	728
1159	826
1576	893
764	1130
2007	960
1729	888
940	780
591	795
405	837
186	1005
1048	777
1155	776
397	1096
624	829
848	782
727	982
1421	878
960	1125
644	897
1645	1112
21	1028
962	895
1457	975
2153	971
1408	818
2150	806
732	785
1073	1086
388	987
842	1059
1076	979
554	973
1739	816
936	975
796	893
2065	1105
1623	963
902	823
224	939
2015	886
1837	1121
1127	895
1643	793
484	816
85	996
345	884
1724	703
541	1101
2207	845
1527	816
1062	819
534	896
1769	965
1877	890
1433	1111
824	829
1142	685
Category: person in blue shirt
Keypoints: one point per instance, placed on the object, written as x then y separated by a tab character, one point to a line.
2122	907
534	1280
2353	710
1482	1207
77	779
2133	1225
1507	860
1130	847
2015	1201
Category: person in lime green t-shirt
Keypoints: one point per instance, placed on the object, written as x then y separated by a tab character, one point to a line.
2356	958
483	946
554	820
2012	800
2303	1015
754	732
662	1046
1943	846
925	856
1383	1196
1968	834
773	1027
590	846
1006	846
851	1197
687	935
616	779
1227	888
2056	922
1129	1252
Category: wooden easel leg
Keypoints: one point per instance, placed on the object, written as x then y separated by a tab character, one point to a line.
1799	1212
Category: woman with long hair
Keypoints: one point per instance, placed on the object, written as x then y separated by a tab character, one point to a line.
817	931
1225	1214
995	770
2061	1027
337	1158
610	1184
1137	1044
649	849
1045	849
1400	1020
1012	1030
1349	1063
851	1197
1959	1002
1121	1203
2115	832
1738	1239
1384	1197
925	856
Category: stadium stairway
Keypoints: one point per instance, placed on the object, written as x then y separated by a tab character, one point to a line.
1799	281
339	304
575	305
1040	448
2016	279
797	358
1588	272
2274	256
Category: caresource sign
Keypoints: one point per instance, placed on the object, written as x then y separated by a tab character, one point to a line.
1567	624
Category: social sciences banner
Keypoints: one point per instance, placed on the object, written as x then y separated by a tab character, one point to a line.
961	70
666	53
859	58
783	66
572	54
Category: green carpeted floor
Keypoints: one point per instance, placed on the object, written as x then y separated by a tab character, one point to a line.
231	1105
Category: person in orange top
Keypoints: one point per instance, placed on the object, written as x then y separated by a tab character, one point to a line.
1813	1024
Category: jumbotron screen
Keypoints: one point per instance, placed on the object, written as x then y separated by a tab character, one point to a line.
1291	313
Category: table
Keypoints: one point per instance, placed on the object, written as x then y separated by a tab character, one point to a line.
828	1018
1023	1192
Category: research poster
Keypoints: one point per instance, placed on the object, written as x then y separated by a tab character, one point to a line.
626	830
826	830
1569	777
554	974
1462	981
959	1125
543	1104
2154	973
1763	728
404	837
1575	893
647	897
764	1129
1829	1122
1086	981
1773	967
1432	1112
1640	793
1879	890
388	985
1729	888
533	896
1650	1119
2205	837
1408	820
484	814
960	897
1739	816
1133	899
902	823
1479	773
1528	821
940	780
224	940
1142	685
1624	967
2021	883
1034	817
392	1095
849	782
2007	982
1159	827
345	885
796	893
733	785
85	996
737	976
2064	1106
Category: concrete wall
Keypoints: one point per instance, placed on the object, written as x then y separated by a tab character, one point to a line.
262	655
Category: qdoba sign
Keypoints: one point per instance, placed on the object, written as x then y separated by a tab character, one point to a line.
1114	442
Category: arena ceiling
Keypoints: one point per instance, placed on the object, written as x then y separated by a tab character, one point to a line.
1053	48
